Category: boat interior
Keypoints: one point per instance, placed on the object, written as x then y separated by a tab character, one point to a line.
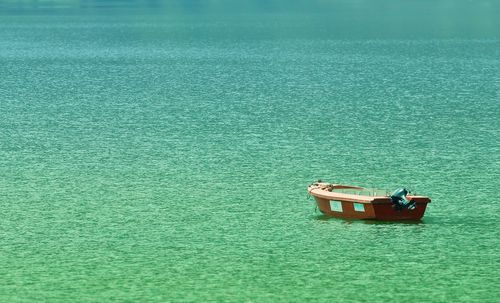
355	190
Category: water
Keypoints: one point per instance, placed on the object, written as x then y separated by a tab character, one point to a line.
160	152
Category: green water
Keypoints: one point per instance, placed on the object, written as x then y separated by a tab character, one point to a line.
160	151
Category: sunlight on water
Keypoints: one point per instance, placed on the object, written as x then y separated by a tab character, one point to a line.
160	151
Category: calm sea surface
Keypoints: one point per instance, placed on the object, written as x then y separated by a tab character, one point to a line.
160	152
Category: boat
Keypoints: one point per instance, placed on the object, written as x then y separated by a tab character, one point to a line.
354	202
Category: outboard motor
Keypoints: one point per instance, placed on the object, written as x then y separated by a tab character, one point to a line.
400	201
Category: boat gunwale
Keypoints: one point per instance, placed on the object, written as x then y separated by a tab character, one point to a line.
318	191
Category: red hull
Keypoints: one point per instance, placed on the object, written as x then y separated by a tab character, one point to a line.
351	206
385	212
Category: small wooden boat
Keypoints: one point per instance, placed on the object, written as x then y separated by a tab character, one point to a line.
353	202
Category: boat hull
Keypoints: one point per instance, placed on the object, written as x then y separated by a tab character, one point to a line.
369	211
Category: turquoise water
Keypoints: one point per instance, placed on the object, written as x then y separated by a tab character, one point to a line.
160	152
